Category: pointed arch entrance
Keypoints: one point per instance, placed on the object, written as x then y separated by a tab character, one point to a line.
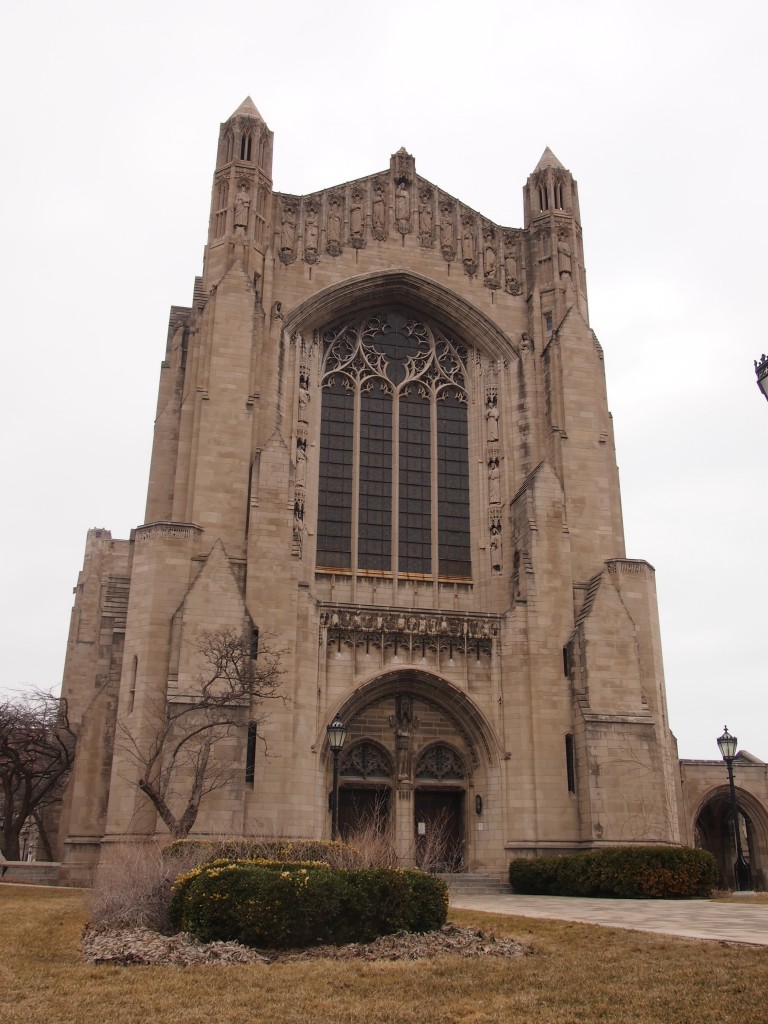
418	747
714	831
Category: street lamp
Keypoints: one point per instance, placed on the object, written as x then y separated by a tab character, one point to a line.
337	733
727	745
761	370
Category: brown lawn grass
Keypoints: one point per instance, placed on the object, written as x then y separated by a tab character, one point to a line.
578	974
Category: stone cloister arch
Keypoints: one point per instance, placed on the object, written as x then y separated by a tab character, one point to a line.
713	831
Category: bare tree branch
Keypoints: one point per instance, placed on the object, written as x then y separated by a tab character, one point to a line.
37	749
176	764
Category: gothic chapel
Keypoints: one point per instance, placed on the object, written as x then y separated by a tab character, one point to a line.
383	439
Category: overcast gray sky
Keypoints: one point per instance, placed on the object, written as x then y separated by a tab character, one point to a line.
109	127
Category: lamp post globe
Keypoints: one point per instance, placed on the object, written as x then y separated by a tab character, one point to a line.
728	745
337	734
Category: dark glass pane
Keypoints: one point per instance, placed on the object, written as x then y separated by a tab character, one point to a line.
334	507
375	514
453	487
415	514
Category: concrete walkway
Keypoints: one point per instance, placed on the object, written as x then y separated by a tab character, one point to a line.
696	919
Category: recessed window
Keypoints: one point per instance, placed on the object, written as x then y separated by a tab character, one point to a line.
394	472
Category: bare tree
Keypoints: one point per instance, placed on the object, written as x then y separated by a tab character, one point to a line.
37	749
176	762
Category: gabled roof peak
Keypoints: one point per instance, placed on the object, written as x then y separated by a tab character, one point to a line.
548	159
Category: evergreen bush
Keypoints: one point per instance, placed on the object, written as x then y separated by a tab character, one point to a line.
284	905
629	872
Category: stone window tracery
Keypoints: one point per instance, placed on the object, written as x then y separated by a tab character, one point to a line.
366	760
394	473
440	763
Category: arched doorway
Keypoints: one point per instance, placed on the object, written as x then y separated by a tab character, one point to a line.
416	749
714	831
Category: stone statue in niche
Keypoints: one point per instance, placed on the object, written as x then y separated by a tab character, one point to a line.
468	245
403	732
288	233
379	213
492	419
301	463
512	284
311	234
242	206
356	222
333	228
564	255
402	208
490	274
447	232
496	562
425	217
303	405
494	483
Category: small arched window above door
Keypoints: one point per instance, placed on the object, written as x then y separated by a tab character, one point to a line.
440	763
366	760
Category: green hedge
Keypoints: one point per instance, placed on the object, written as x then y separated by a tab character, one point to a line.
629	872
286	905
199	851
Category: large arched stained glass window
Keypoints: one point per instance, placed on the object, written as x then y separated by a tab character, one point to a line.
394	476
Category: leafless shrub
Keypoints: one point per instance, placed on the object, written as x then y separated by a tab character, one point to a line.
133	885
438	850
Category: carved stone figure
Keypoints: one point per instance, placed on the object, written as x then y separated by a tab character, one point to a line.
447	237
288	233
492	420
468	245
303	403
510	271
402	208
311	231
301	465
242	206
379	214
356	234
425	218
333	229
564	256
495	549
489	259
494	484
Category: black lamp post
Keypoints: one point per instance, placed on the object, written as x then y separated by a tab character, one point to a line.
337	733
727	745
761	370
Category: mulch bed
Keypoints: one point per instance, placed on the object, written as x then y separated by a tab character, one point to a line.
143	946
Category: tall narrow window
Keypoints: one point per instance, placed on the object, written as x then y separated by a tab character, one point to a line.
250	754
394	474
570	763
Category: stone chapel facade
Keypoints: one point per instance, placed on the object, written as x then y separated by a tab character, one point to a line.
383	437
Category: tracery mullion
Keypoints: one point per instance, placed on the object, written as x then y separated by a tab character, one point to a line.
356	478
434	494
396	484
